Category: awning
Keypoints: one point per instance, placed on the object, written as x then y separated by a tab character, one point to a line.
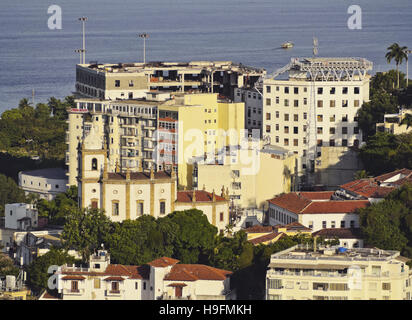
177	285
73	278
114	279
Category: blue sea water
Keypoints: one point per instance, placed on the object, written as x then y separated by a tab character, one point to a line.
245	31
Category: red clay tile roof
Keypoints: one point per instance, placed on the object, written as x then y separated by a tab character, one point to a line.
73	277
201	196
344	206
167	119
138	175
48	295
317	195
266	237
386	176
114	279
163	262
177	284
259	229
291	202
193	272
296	226
341	233
133	272
367	188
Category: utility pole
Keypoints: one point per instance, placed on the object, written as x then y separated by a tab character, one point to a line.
144	36
83	20
80	51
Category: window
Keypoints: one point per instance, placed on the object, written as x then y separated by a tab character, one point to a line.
352	223
75	286
277	126
331	143
295	130
267	128
295	142
268	89
386	286
332	224
320	118
286	129
286	117
332	103
342	224
131	83
332	118
274	284
94	204
305	101
144	285
277	139
286	89
319	142
296	90
94	164
136	285
140	208
296	103
277	114
338	286
117	83
344	142
356	130
344	103
295	117
286	103
286	142
221	217
320	90
324	224
320	130
332	90
356	103
96	283
115	286
344	130
345	90
267	116
320	103
356	90
305	116
162	206
268	102
115	208
311	224
277	100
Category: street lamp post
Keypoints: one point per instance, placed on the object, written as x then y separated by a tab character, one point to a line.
83	20
80	51
144	36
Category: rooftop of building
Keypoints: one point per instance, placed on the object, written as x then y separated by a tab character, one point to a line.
139	175
312	203
201	196
49	173
161	65
323	255
340	233
194	272
380	186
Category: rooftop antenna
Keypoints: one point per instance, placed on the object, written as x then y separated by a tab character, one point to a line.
144	36
315	46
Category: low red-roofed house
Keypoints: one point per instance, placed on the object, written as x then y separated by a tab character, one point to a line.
348	237
314	211
162	278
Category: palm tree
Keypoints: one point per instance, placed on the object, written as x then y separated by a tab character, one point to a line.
398	54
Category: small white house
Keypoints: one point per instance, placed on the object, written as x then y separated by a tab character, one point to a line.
20	216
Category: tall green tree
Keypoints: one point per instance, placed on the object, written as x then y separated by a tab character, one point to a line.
397	53
9	192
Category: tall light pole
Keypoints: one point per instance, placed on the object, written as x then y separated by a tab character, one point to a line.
80	51
144	36
83	20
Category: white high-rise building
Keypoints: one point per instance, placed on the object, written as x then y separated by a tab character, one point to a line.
315	106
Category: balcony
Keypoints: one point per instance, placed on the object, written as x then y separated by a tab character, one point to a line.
73	292
113	293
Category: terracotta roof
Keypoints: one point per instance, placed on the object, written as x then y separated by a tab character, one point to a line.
295	226
259	229
367	188
193	272
389	175
114	279
163	262
177	284
133	272
317	195
138	175
167	119
266	237
201	196
48	295
291	202
344	206
73	277
340	233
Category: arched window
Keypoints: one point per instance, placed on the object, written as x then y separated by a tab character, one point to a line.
94	164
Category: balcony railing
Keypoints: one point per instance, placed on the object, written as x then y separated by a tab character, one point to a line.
73	291
115	293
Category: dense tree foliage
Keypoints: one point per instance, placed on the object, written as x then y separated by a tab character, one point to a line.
388	224
9	192
386	152
58	209
7	266
35	131
38	270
